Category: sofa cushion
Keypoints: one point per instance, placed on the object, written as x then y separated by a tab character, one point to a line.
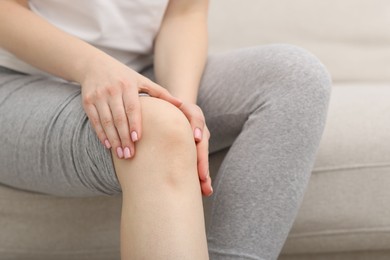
346	207
351	37
40	227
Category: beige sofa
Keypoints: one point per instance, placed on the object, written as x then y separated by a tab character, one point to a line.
346	211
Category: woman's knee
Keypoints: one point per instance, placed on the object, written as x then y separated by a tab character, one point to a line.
282	75
167	146
295	72
166	126
268	73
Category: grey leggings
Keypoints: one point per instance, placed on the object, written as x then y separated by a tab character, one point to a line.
266	104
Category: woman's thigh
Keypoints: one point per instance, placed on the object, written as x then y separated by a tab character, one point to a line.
47	143
237	83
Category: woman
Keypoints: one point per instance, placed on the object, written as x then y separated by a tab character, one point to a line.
83	113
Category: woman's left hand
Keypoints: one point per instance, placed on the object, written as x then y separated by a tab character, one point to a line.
201	133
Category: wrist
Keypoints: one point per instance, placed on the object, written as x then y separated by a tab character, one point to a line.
186	95
90	64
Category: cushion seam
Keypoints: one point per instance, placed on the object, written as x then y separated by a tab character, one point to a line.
57	252
341	232
351	167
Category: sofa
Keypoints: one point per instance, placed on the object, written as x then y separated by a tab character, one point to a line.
345	213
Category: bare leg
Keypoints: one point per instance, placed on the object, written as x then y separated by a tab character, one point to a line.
162	212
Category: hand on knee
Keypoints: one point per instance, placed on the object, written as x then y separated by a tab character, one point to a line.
166	155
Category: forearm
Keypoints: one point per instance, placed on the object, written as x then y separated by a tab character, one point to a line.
37	42
181	51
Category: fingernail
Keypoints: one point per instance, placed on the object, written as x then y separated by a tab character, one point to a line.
119	152
107	144
212	191
127	153
178	100
134	136
198	133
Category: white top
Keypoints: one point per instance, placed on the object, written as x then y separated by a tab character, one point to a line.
125	29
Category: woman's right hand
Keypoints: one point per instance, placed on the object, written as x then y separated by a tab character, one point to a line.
111	101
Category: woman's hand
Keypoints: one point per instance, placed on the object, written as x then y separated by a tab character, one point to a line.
110	99
201	135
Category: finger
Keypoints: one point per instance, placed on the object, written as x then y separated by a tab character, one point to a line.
107	122
159	92
93	117
196	119
203	159
197	124
206	187
133	113
116	104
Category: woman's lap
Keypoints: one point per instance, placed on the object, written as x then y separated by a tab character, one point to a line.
48	145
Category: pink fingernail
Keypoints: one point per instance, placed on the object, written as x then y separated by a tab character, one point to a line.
198	133
107	144
134	136
212	191
119	152
127	153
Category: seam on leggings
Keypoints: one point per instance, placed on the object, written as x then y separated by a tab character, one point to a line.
240	255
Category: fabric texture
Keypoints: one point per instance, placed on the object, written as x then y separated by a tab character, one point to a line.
270	105
47	142
267	105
